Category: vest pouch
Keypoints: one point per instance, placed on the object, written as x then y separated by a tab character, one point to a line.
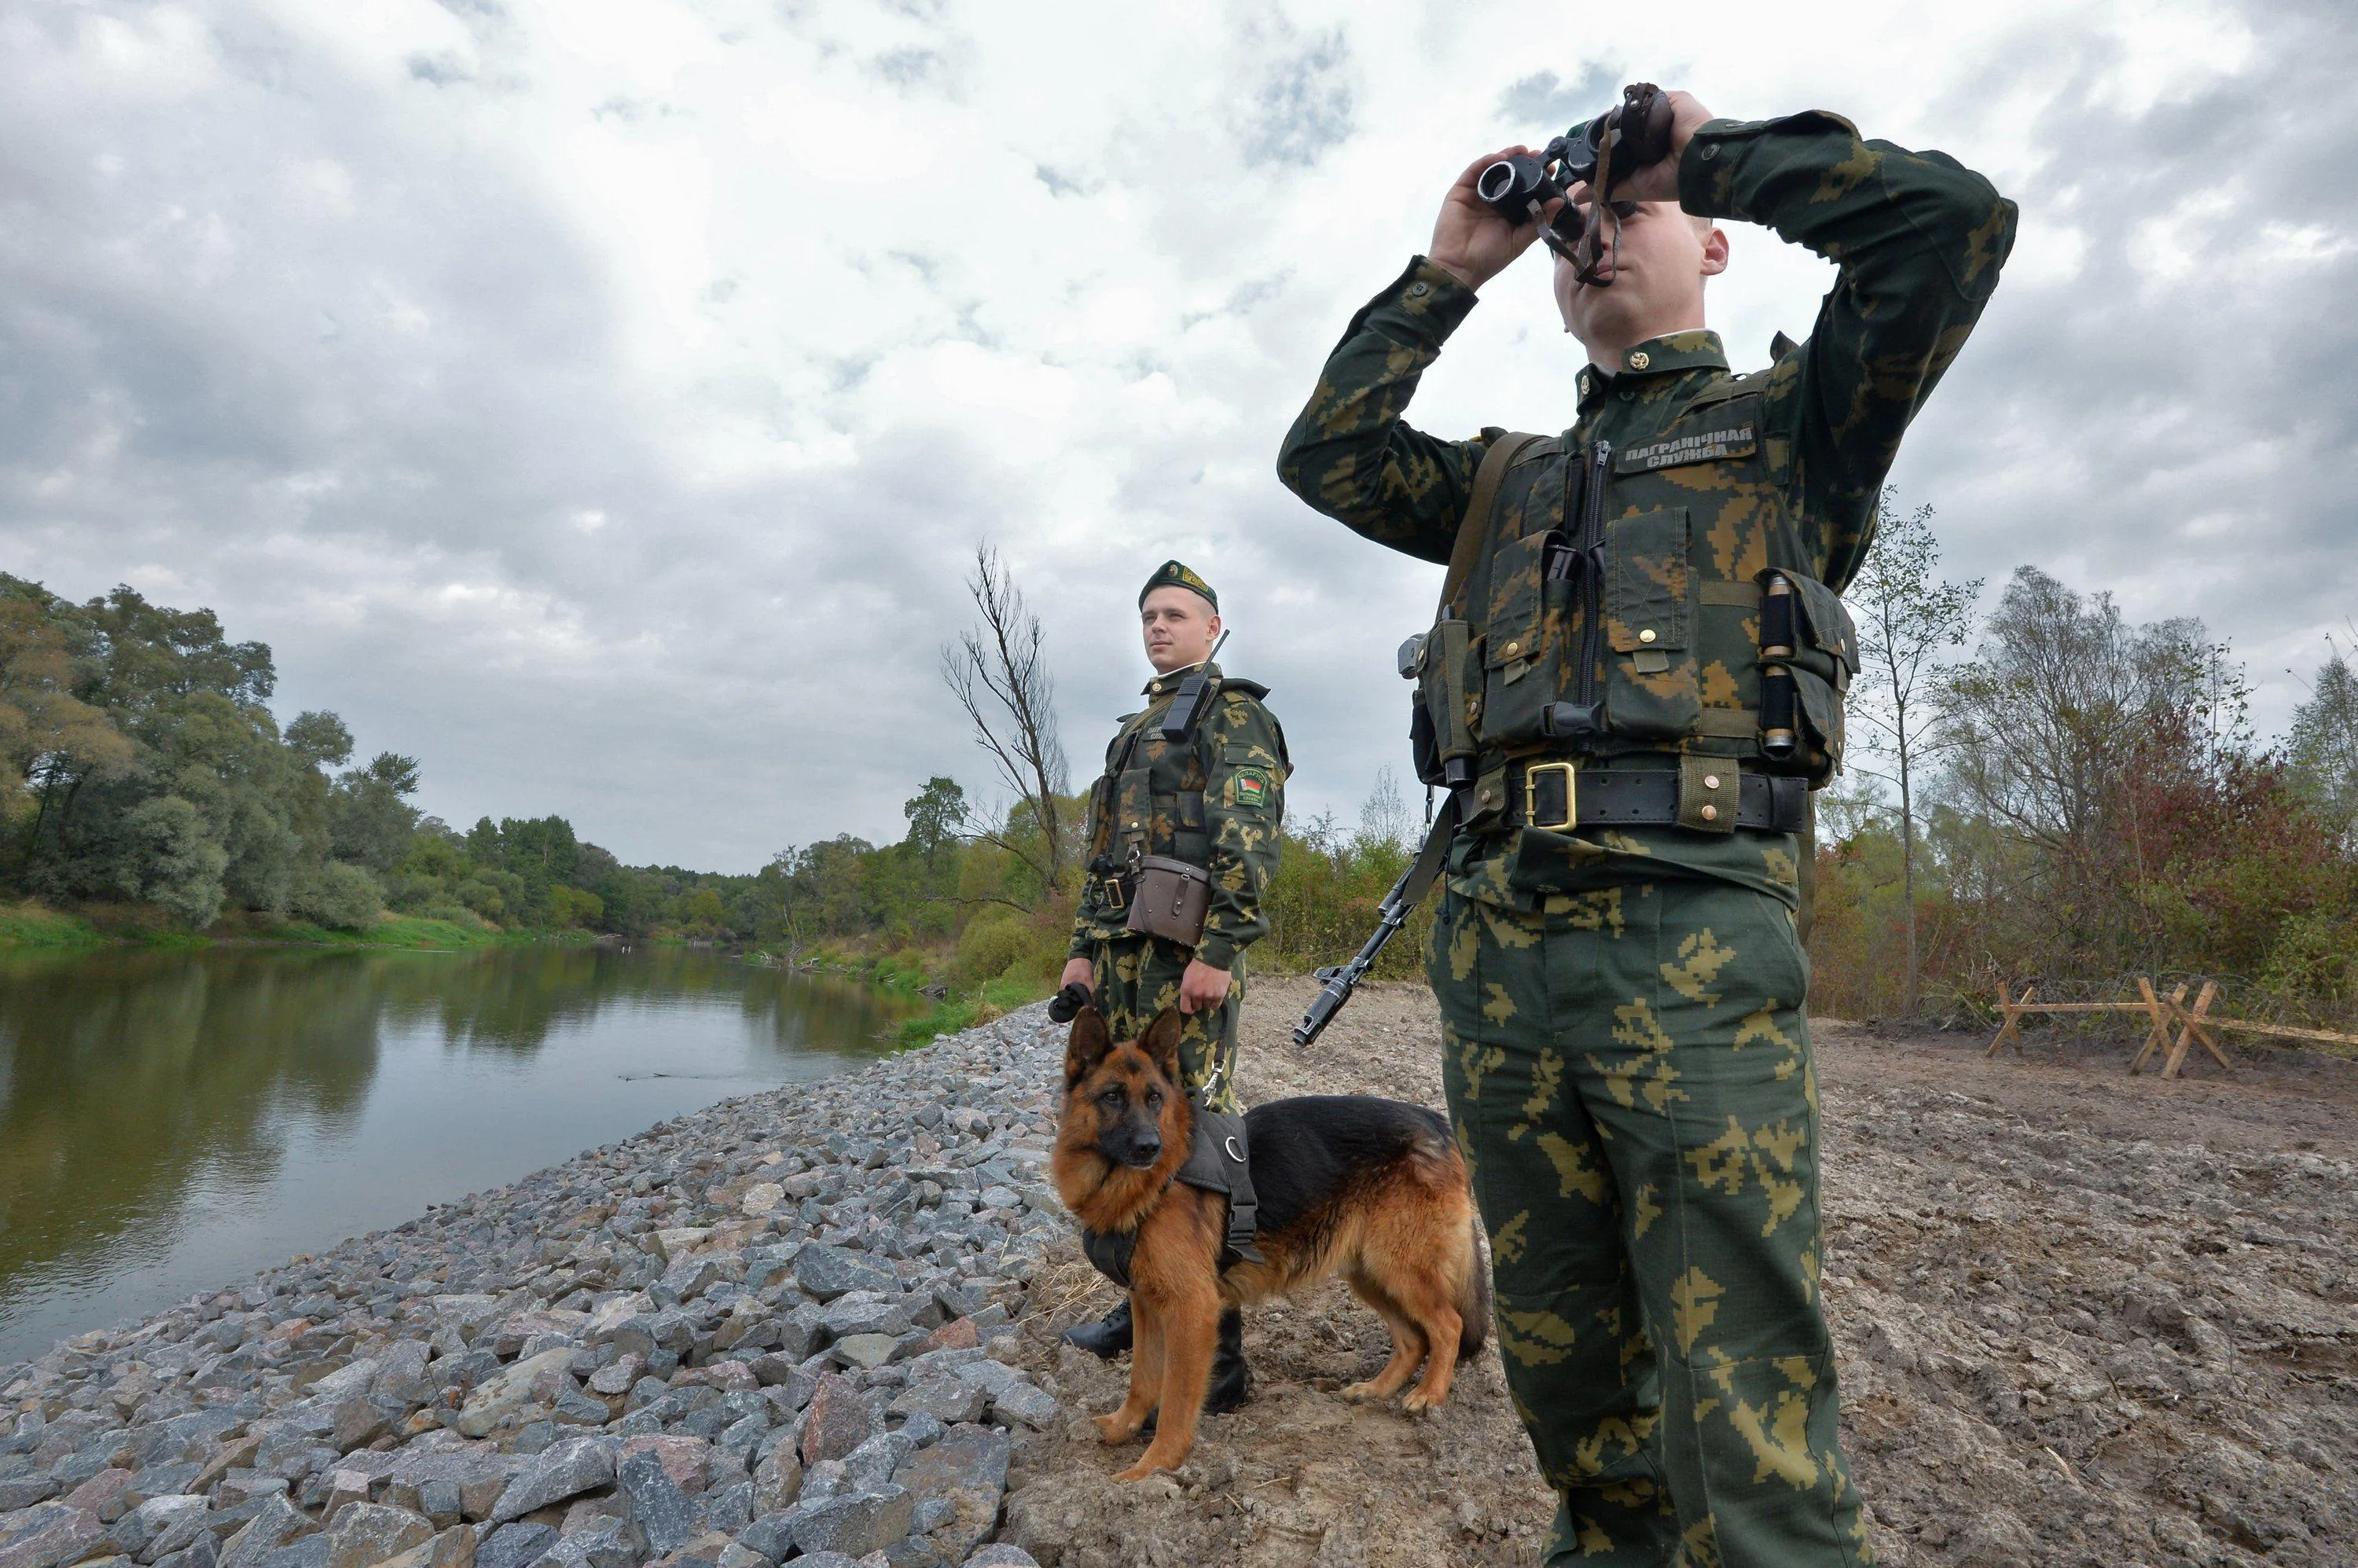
1824	657
1653	690
1523	667
1450	691
1170	899
1190	839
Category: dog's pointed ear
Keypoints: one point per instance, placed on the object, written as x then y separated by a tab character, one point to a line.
1160	1042
1087	1046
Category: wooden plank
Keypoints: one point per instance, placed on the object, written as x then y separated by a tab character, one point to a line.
2191	1024
2287	1030
2156	1039
2010	1012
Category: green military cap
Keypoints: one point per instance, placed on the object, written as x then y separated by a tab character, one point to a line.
1176	574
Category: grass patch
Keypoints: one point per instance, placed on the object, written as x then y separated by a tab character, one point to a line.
29	924
911	971
393	931
958	1011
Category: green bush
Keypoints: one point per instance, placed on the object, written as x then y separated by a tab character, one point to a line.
992	942
338	896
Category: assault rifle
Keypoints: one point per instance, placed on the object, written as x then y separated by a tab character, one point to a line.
1336	982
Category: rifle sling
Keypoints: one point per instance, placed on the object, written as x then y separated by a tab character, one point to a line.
1473	531
1505	448
1430	859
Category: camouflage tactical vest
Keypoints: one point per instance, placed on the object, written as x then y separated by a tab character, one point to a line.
1151	795
1646	567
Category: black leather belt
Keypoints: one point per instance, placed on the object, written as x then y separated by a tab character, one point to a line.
1640	798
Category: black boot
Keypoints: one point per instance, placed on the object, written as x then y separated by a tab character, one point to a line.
1231	1379
1108	1336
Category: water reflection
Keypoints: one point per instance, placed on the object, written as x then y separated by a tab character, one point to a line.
169	1121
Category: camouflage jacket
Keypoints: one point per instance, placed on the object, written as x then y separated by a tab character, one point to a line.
1792	481
1214	799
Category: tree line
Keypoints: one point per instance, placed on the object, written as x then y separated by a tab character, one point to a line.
2047	792
140	762
2052	793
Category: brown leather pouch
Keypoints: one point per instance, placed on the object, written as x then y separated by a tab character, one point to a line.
1169	899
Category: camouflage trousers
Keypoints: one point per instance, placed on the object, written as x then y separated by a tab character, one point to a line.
1629	1073
1138	976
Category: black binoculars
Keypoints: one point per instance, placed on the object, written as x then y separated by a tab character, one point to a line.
1626	137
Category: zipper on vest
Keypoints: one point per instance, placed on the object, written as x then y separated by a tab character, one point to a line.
1579	719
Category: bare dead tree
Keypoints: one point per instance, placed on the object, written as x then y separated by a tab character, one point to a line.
998	675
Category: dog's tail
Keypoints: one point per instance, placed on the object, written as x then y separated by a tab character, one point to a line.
1474	1296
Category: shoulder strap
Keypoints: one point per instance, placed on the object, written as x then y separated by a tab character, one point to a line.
1505	448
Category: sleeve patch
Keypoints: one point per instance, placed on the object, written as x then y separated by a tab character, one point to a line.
1249	786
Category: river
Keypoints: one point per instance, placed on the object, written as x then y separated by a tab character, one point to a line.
170	1122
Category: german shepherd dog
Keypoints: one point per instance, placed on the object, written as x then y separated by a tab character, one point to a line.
1371	1189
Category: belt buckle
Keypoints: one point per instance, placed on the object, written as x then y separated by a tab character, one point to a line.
1531	795
1116	895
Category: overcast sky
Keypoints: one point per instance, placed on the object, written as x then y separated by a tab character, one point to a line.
600	401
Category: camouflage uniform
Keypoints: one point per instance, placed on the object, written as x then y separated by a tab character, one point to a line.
1627	1057
1213	799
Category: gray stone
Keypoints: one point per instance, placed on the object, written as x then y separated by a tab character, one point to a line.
661	1510
778	1480
150	1529
365	1534
401	1375
1002	1556
967	1470
275	1524
863	1312
507	1393
566	1470
871	1464
922	1429
727	1510
201	1553
480	1476
827	1272
513	1545
858	1524
840	1421
616	1377
826	1560
1025	1402
604	1546
772	1537
23	1491
946	1400
311	1552
868	1351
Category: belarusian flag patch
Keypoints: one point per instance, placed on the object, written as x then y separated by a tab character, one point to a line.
1249	786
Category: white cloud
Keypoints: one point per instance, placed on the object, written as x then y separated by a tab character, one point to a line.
600	401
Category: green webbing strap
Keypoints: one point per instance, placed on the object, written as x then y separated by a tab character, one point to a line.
1474	529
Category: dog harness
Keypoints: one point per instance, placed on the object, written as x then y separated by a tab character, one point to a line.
1219	1160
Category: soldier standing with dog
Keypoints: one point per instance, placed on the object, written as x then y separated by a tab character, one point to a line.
1637	674
1183	829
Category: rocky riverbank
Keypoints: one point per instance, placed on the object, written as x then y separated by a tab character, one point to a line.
781	1329
2082	1319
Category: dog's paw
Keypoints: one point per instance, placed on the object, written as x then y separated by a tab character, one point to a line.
1115	1430
1417	1404
1359	1393
1138	1472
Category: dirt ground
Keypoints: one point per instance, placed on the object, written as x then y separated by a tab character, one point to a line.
2084	1318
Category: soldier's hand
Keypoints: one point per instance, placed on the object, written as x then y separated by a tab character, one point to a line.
1470	242
1202	987
1077	972
1659	181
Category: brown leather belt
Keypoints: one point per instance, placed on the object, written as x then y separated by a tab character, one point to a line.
1540	794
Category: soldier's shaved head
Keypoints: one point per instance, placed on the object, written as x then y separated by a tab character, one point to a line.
1665	254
